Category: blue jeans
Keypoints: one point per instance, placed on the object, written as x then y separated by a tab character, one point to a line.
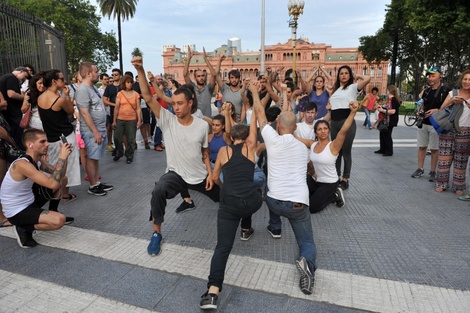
298	215
258	177
157	136
367	120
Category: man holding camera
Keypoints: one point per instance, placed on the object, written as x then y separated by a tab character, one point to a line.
26	188
433	97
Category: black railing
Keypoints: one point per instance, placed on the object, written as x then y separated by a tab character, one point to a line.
25	39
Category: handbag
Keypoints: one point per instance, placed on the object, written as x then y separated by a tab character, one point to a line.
10	152
24	123
444	121
383	124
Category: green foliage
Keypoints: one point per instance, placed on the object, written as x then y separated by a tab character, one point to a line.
137	52
423	33
77	20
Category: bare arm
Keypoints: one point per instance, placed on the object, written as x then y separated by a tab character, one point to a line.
189	55
26	104
363	80
206	161
252	139
258	107
14	95
214	74
153	104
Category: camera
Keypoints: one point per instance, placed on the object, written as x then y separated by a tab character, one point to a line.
419	121
63	139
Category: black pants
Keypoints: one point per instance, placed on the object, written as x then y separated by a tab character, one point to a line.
386	141
346	151
231	210
171	184
321	194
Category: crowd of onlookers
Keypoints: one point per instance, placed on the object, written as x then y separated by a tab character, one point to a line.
304	127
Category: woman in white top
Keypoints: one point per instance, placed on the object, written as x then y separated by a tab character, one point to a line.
345	91
453	146
36	88
322	180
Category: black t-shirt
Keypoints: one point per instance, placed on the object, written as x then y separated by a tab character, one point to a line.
433	99
10	82
111	92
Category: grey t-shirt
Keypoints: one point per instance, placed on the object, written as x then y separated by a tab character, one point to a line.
183	146
234	97
89	98
204	98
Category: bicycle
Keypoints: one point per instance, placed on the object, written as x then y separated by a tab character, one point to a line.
411	117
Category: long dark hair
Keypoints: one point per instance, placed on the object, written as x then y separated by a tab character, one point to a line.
33	92
350	81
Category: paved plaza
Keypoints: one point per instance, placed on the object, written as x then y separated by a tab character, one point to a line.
396	246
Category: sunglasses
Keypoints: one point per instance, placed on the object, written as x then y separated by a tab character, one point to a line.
114	74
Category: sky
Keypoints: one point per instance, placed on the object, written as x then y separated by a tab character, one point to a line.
209	23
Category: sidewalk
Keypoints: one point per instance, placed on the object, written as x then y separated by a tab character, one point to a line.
397	246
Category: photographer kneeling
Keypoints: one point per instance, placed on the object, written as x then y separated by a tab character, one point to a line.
26	188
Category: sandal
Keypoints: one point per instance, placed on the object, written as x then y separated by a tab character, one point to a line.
69	198
464	197
3	224
459	193
438	189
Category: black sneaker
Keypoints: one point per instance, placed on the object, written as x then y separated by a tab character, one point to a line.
418	173
116	158
432	176
339	198
208	301
97	191
24	238
246	234
344	184
275	233
105	187
129	161
185	206
69	220
306	276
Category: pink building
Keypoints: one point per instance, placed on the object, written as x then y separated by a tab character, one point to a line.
280	55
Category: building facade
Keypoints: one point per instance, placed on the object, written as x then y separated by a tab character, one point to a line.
308	56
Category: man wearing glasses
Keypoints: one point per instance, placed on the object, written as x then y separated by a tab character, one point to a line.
432	96
109	100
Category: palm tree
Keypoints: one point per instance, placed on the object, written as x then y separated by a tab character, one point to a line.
120	9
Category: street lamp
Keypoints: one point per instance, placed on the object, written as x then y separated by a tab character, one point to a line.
296	8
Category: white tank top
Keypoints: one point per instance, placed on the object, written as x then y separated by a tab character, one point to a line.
324	164
15	196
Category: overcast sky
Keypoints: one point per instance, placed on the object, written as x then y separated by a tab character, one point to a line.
209	23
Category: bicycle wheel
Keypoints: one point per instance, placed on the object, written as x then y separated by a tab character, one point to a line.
410	118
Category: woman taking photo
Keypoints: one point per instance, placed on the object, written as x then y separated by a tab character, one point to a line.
390	112
127	116
345	91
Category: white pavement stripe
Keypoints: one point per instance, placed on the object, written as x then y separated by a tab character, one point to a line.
344	289
376	145
377	140
25	294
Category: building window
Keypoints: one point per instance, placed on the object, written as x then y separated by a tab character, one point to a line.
256	73
372	72
304	74
225	74
379	72
175	75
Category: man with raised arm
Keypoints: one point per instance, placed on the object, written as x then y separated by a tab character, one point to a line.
187	154
26	188
288	192
203	91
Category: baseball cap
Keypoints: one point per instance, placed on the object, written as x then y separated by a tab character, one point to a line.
433	69
23	69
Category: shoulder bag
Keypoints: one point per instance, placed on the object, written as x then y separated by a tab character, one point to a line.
24	123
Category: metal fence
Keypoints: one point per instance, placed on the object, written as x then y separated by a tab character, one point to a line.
25	39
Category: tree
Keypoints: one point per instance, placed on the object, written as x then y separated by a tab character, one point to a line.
418	34
77	20
124	9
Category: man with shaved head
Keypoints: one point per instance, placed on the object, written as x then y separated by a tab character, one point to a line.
288	194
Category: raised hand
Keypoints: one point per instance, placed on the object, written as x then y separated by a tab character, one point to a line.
137	62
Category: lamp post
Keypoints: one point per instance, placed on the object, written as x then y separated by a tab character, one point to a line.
296	8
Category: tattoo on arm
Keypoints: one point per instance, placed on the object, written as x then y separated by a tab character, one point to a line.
59	171
49	169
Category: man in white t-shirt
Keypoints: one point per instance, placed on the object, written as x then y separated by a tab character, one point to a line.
305	129
187	154
288	192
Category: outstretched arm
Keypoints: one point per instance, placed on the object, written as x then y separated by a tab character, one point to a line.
153	104
363	80
258	107
337	143
189	55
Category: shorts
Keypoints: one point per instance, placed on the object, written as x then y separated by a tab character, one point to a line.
109	120
145	116
94	151
428	137
80	142
30	215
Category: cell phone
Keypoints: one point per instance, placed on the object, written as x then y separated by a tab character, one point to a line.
63	139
